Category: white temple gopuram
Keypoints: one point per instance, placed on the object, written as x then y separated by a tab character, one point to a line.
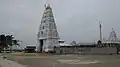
47	36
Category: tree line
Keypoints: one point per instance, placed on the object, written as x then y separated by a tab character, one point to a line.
7	41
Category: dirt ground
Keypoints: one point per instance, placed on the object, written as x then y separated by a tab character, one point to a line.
68	60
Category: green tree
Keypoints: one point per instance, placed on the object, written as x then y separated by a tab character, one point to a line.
7	41
3	44
16	42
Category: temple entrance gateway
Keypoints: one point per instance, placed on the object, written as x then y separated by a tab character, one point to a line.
41	45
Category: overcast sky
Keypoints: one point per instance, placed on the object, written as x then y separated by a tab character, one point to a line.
75	19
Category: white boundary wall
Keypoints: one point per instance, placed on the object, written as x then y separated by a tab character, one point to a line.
86	50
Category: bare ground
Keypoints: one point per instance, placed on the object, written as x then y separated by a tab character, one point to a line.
68	60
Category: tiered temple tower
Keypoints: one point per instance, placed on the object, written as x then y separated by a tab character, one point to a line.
47	36
113	37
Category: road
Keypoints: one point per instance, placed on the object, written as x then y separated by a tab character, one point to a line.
69	61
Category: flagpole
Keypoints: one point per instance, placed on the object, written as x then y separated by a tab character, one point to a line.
100	31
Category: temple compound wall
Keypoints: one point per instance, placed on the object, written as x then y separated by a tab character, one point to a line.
85	50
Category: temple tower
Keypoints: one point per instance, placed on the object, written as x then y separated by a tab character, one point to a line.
113	36
47	36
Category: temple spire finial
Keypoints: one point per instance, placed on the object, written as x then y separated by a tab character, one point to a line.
47	3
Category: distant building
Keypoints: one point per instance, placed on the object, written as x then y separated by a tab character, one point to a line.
47	36
62	43
73	43
30	49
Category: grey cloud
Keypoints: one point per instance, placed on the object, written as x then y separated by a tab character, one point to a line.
75	19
